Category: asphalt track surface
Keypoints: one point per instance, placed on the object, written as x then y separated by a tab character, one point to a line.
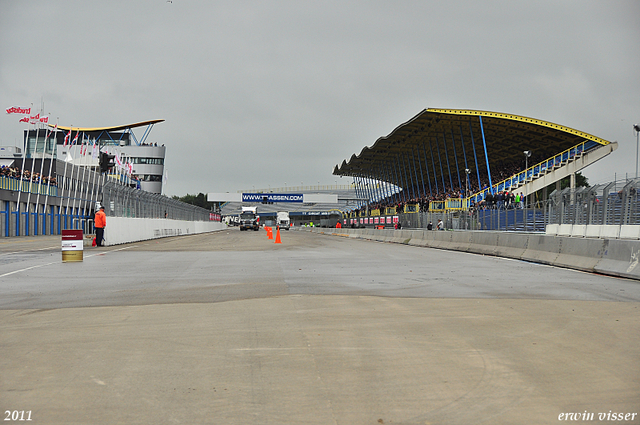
231	328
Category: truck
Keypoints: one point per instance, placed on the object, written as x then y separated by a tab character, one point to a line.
249	218
283	221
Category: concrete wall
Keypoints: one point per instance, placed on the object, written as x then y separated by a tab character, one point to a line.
121	230
617	257
603	231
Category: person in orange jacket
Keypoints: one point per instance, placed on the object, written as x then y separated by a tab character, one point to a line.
100	223
338	225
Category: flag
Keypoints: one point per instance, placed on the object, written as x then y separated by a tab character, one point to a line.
75	139
18	110
94	151
34	119
44	120
85	145
24	119
66	138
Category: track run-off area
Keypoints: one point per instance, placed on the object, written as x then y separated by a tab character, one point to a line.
231	328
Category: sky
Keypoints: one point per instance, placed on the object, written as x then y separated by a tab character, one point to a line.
259	94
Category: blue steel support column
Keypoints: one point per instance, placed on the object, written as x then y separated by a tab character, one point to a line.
396	195
363	191
415	173
484	143
475	156
355	189
399	178
455	157
446	154
433	165
385	185
380	185
372	189
413	184
385	175
407	173
403	170
424	190
377	188
386	189
356	185
7	214
374	182
426	167
444	186
464	153
367	190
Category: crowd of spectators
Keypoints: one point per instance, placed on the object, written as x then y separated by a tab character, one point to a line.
501	200
26	175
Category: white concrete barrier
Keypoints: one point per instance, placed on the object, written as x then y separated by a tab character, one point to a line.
629	231
618	257
565	229
610	231
552	229
579	230
593	231
121	230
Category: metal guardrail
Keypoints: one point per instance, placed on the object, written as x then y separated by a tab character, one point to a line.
71	204
614	203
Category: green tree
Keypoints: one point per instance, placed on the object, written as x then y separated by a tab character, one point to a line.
581	181
199	200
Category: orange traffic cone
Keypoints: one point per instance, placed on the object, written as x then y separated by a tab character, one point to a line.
278	236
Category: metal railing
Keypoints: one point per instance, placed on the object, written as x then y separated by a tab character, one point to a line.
71	204
614	203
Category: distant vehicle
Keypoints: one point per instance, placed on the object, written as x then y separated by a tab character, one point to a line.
249	218
283	221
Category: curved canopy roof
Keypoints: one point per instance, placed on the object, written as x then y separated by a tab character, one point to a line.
115	128
439	139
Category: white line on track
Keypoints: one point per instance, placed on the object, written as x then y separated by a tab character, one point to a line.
58	262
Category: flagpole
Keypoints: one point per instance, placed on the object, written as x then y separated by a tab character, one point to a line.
93	177
64	179
83	199
77	171
44	149
33	158
94	189
55	147
24	157
32	164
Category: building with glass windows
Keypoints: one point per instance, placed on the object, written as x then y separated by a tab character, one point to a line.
81	147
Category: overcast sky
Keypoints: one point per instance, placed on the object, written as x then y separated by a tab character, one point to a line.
268	93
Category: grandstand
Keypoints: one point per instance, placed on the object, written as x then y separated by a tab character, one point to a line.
451	159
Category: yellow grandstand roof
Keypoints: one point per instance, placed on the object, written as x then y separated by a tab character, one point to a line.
115	128
452	138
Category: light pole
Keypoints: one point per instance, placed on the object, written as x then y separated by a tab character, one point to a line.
527	154
466	183
636	127
467	171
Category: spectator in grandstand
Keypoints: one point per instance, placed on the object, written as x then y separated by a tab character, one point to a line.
440	225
